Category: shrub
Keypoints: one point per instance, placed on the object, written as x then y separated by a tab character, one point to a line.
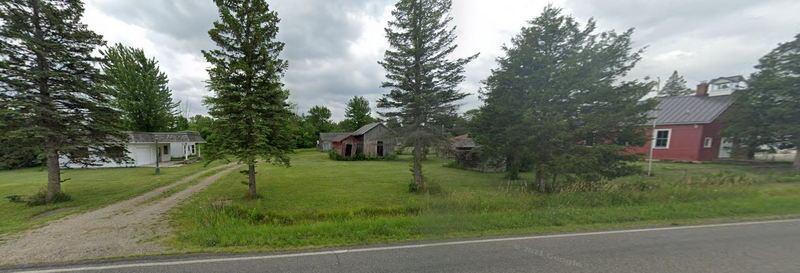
358	157
15	198
39	198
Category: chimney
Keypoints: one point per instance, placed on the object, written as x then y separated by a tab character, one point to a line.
702	89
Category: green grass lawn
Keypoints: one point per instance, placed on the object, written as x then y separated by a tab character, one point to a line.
89	189
318	202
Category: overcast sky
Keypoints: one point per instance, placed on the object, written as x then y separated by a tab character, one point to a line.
333	45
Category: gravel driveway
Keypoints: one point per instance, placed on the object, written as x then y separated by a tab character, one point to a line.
129	227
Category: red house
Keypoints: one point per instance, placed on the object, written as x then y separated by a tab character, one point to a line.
687	128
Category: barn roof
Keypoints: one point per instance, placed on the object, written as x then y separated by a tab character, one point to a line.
463	141
152	137
364	129
690	109
331	136
336	137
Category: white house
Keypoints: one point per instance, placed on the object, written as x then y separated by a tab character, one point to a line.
726	85
144	147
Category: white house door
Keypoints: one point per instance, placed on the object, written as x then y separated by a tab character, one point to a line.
725	148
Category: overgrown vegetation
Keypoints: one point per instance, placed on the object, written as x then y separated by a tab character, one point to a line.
358	157
320	202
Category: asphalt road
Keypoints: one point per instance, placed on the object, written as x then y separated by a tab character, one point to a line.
767	246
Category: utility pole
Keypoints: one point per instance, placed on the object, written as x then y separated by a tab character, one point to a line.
652	147
158	157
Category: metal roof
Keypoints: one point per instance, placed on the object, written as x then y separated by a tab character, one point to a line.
152	137
690	109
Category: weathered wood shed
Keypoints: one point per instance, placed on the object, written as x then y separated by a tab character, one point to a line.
371	140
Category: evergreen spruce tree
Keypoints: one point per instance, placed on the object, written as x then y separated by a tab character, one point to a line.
248	103
49	95
675	86
140	90
768	111
422	80
356	114
557	103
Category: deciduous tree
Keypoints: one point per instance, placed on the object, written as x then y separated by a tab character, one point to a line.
356	114
140	89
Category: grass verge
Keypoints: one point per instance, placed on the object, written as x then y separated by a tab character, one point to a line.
324	203
88	189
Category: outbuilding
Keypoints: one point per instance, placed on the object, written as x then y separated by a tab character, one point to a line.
371	140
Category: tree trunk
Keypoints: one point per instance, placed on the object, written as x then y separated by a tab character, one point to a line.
796	165
251	174
541	180
417	166
512	167
53	176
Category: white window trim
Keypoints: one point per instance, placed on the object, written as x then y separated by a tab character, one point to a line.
708	142
655	138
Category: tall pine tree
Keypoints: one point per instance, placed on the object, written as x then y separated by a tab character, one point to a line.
768	111
140	90
356	114
249	101
675	86
49	87
422	80
557	103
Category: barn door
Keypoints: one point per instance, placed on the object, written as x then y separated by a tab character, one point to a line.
348	150
380	148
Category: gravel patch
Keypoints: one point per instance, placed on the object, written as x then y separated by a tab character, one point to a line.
129	227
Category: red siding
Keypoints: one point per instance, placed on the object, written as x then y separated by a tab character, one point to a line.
686	143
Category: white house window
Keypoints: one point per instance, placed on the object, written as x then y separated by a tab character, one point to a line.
662	138
708	142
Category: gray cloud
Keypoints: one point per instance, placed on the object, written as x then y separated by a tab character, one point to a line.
333	46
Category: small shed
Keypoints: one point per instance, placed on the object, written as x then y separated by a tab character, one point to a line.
325	142
467	155
371	140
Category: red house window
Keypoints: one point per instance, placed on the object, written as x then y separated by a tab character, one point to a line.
662	138
708	142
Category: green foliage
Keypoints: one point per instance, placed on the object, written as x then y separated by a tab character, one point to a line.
140	90
675	86
357	157
50	100
421	78
325	203
22	157
558	103
203	125
252	116
308	127
356	114
89	188
40	198
767	111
